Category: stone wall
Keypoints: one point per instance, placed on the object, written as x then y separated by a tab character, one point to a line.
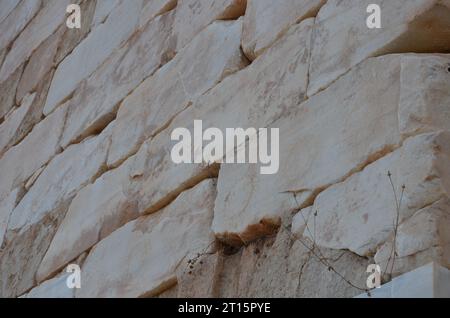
86	117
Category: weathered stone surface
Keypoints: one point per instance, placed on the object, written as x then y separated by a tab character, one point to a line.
40	63
266	20
144	183
8	92
422	238
53	288
342	39
95	103
358	214
17	165
361	125
14	16
103	9
150	180
22	255
215	51
74	168
198	277
6	7
2	56
194	15
424	98
282	267
149	250
45	23
72	37
9	129
155	8
93	51
94	174
269	86
97	210
7	204
26	116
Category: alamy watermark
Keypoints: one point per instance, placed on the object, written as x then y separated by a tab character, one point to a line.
235	145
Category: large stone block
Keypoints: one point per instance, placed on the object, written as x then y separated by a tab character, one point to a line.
43	142
20	258
265	21
14	17
362	125
66	173
341	38
321	141
93	51
39	65
360	213
207	60
96	101
97	210
21	120
44	24
143	184
148	251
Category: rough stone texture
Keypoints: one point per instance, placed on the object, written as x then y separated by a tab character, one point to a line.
175	234
40	63
43	142
103	9
86	118
72	37
8	92
420	239
150	180
74	168
143	184
14	16
194	15
7	205
153	104
6	7
266	20
424	97
9	129
360	127
40	28
358	214
96	101
27	115
341	40
53	288
93	51
155	8
283	267
23	253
